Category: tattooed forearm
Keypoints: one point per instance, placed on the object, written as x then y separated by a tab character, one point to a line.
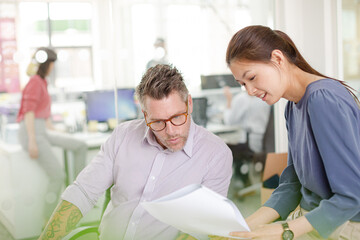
63	220
64	208
73	219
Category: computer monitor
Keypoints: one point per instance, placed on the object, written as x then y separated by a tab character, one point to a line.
218	81
100	105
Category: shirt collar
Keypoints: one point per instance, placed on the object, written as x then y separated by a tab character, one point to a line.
149	138
188	148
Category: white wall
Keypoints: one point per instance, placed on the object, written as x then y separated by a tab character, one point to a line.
196	33
102	57
312	25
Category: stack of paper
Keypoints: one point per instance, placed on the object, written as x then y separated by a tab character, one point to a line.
198	211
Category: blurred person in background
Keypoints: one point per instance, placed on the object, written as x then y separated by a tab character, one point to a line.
36	132
160	54
251	114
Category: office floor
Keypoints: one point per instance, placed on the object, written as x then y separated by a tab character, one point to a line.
4	234
247	199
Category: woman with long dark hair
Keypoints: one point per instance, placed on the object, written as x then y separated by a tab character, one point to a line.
323	123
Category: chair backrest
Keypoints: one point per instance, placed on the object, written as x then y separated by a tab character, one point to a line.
269	135
199	114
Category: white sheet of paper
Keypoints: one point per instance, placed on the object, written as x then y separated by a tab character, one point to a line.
198	211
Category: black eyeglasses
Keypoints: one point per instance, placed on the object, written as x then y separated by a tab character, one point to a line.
177	120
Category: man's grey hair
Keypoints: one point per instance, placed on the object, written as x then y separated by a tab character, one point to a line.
159	82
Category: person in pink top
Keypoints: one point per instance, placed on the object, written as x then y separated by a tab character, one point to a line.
35	135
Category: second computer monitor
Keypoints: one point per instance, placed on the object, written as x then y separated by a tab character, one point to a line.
100	105
218	81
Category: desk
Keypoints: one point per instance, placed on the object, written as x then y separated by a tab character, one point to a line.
230	134
23	188
93	140
218	128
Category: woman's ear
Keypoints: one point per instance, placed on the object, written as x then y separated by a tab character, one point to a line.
277	57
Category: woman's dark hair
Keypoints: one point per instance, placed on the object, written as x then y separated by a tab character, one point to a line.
49	56
256	43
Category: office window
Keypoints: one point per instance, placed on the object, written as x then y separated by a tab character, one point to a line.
66	27
70	24
9	69
196	34
351	41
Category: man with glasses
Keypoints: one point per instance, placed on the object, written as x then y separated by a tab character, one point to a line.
144	160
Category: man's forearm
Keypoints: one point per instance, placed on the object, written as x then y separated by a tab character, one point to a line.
62	221
184	236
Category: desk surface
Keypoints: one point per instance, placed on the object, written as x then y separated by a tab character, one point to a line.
7	148
95	139
92	139
218	128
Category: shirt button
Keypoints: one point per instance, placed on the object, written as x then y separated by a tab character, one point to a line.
152	178
133	223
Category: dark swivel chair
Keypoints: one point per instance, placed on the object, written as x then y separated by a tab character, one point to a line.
268	143
244	156
199	114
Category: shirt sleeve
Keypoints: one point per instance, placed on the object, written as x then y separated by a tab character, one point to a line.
286	197
236	114
337	134
32	95
97	177
219	171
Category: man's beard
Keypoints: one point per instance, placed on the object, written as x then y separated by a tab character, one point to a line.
178	147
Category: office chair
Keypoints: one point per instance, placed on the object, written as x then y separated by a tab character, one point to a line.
245	156
242	155
83	233
268	142
199	114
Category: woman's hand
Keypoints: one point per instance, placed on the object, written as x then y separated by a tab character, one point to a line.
263	232
33	149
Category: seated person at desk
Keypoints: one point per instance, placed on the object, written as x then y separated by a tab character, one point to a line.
35	123
146	159
252	115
